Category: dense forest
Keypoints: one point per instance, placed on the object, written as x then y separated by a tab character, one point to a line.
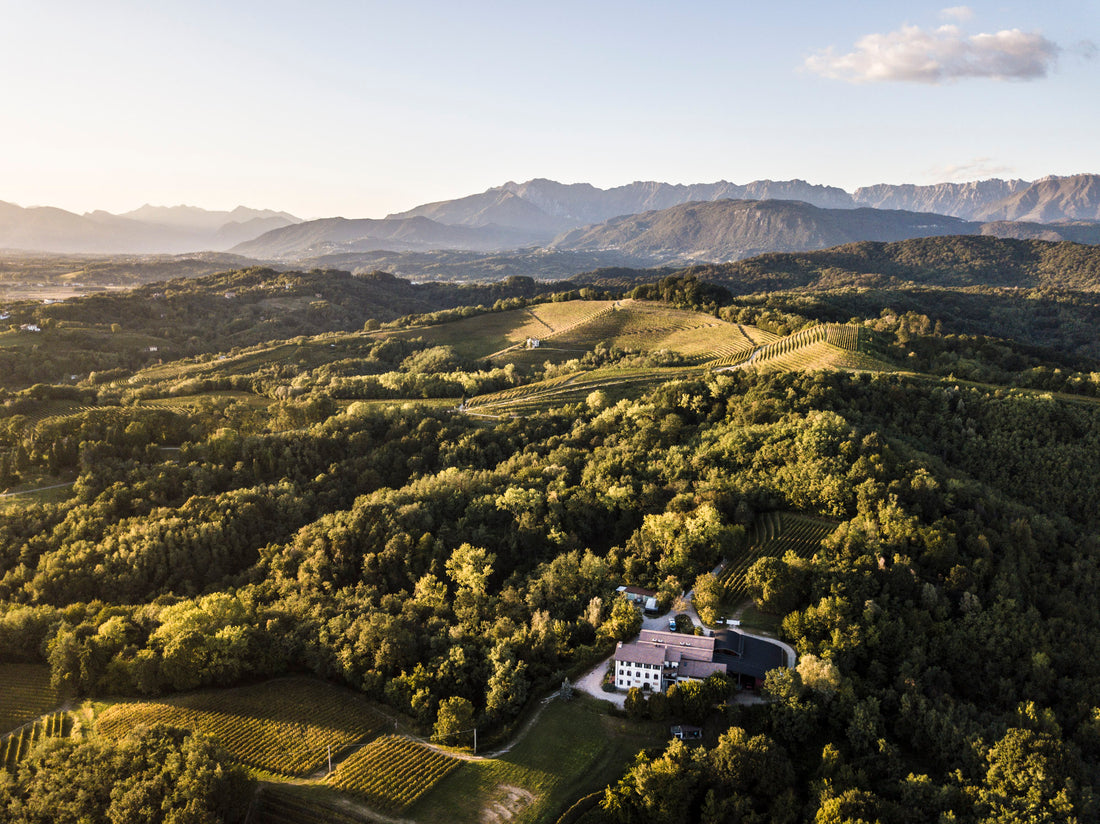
948	631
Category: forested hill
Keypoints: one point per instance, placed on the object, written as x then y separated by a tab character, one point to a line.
327	504
257	304
952	262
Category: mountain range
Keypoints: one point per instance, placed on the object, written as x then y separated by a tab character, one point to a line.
650	221
148	230
665	223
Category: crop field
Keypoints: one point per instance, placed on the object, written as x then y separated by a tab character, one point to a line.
640	326
827	346
575	388
284	726
239	363
490	334
391	773
25	694
17	745
189	401
773	535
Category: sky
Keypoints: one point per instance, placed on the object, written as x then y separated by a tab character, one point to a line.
362	109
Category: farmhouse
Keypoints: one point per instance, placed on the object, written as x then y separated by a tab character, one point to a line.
659	659
637	595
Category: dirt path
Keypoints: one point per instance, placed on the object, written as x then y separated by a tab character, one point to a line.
32	491
591	683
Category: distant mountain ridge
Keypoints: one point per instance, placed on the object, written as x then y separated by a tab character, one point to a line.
965	200
340	235
148	230
540	213
552	207
1050	200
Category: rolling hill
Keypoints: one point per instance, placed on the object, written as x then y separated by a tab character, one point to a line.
734	229
336	235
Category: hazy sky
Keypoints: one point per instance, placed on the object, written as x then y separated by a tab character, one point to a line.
360	109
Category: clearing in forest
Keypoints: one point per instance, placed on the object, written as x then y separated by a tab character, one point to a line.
774	534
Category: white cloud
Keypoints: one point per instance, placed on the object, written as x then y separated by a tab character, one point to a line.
960	13
978	168
915	55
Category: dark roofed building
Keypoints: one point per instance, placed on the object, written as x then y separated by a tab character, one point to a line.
749	658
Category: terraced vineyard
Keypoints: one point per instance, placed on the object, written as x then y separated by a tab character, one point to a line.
773	535
25	694
391	773
284	726
17	745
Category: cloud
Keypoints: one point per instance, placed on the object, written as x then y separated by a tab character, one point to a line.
960	13
978	168
915	55
1086	49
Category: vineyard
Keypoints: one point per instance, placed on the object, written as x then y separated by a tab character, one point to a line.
285	726
574	388
773	535
18	745
25	694
642	327
392	772
826	346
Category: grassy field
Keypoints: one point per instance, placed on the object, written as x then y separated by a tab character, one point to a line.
573	749
284	726
305	804
25	694
50	491
773	535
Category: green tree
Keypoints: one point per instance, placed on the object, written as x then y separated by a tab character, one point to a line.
624	623
454	720
708	594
